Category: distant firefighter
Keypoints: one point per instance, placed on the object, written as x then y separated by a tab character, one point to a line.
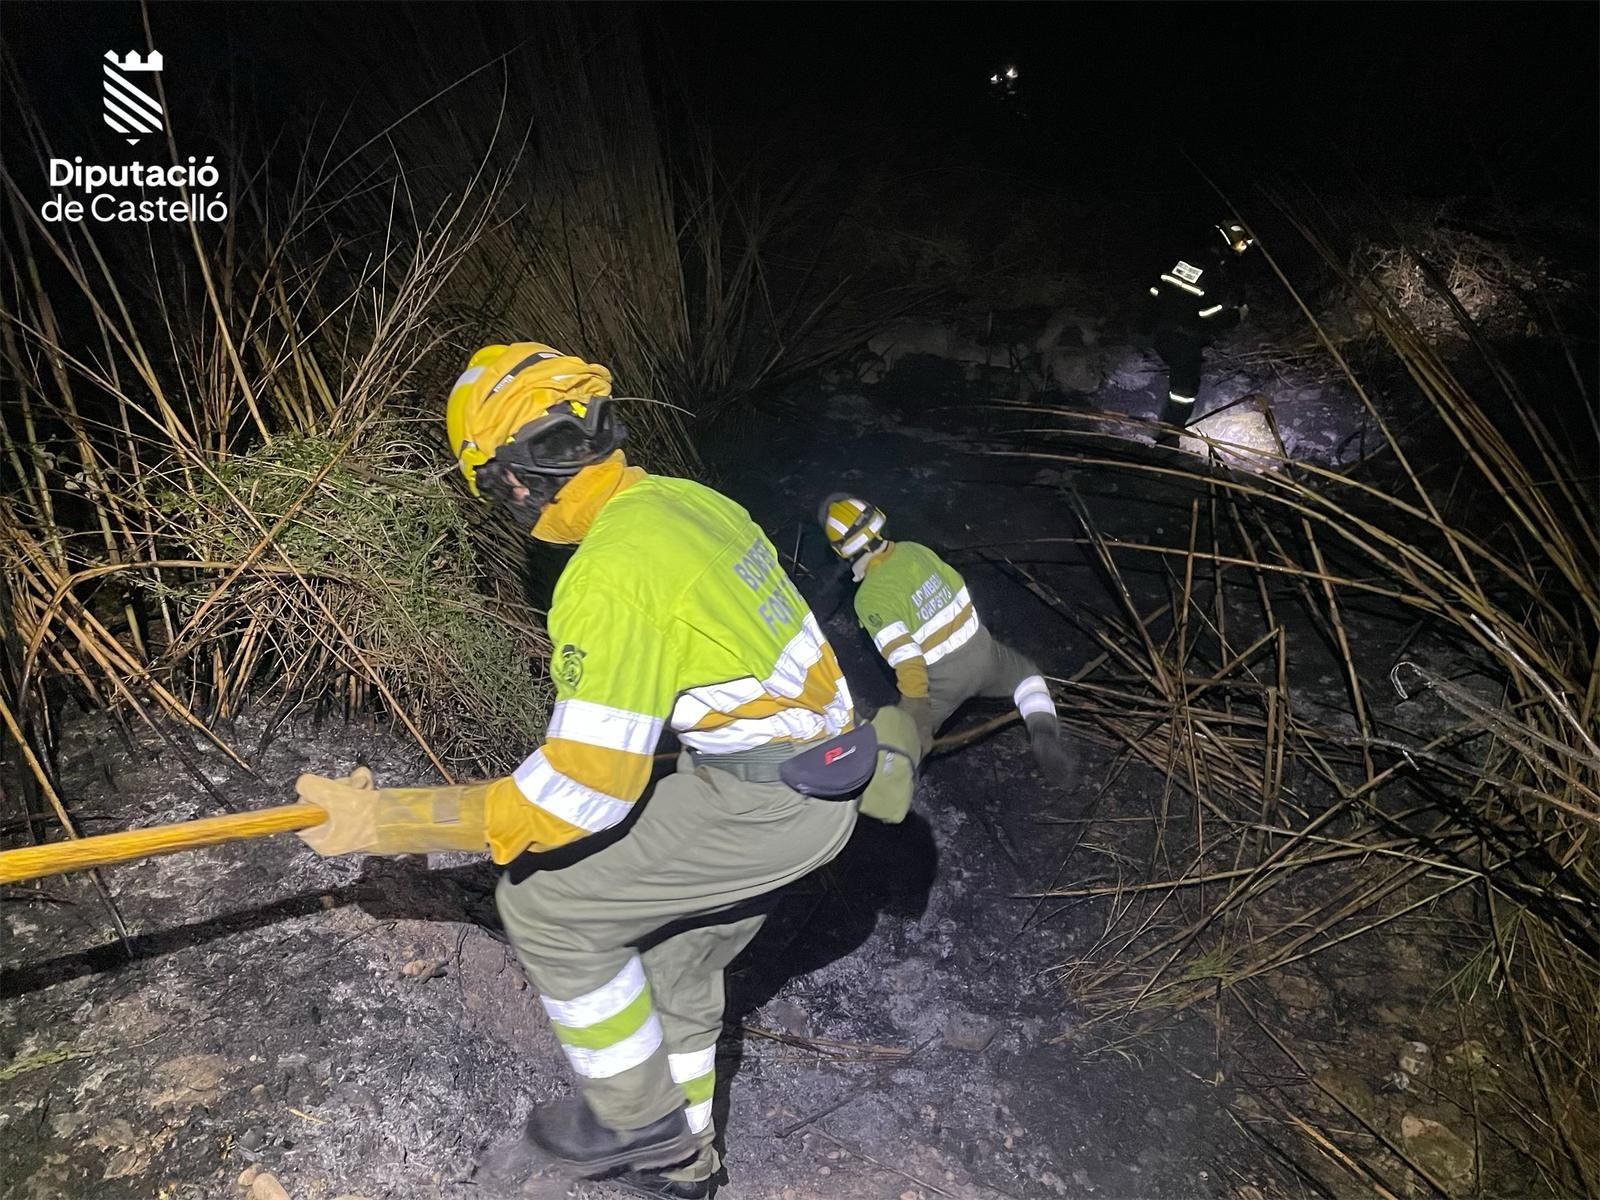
920	616
1189	305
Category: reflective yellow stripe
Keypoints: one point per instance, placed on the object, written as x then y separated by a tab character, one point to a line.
895	629
564	797
949	615
607	1000
956	628
904	652
695	1072
512	824
789	725
616	773
805	697
955	639
618	1057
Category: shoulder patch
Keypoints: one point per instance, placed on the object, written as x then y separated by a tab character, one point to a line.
567	668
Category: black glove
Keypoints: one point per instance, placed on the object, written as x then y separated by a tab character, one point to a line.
1057	761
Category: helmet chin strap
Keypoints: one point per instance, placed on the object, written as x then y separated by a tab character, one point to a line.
858	565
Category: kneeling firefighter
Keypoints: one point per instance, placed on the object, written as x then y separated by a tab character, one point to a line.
920	616
673	612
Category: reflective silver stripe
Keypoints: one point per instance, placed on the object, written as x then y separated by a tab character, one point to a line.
1177	399
1033	696
1212	311
467	376
698	703
896	629
618	1057
606	1001
788	679
803	652
564	797
699	1116
864	536
692	1064
601	725
942	618
1188	287
796	724
902	654
955	641
1155	291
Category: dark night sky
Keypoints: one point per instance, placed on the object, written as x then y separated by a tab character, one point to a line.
1416	96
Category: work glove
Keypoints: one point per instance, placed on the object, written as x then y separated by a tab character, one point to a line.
351	805
1057	762
367	819
888	797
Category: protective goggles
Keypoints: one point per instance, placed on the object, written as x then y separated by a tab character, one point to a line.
548	451
566	438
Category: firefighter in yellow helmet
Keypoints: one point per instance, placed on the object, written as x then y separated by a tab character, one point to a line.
673	613
922	619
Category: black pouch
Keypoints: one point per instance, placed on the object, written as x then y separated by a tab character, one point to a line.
837	769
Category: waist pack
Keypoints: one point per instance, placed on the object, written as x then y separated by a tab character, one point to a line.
837	769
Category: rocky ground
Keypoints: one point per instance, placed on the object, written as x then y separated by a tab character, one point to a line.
276	1024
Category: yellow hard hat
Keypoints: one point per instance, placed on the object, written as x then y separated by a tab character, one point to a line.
506	387
852	526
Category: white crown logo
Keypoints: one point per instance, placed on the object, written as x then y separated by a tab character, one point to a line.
129	108
134	61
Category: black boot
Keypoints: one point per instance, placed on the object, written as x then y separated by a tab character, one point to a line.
568	1130
694	1180
649	1183
1055	757
1174	414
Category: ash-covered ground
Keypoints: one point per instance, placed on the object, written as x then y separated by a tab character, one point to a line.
277	1024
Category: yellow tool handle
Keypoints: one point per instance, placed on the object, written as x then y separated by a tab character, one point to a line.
80	854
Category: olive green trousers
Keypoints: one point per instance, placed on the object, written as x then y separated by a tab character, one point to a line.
983	667
627	946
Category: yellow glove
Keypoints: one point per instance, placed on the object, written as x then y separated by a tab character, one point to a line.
351	807
475	816
888	796
391	820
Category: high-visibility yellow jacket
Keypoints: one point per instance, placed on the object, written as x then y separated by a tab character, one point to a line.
674	612
917	609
